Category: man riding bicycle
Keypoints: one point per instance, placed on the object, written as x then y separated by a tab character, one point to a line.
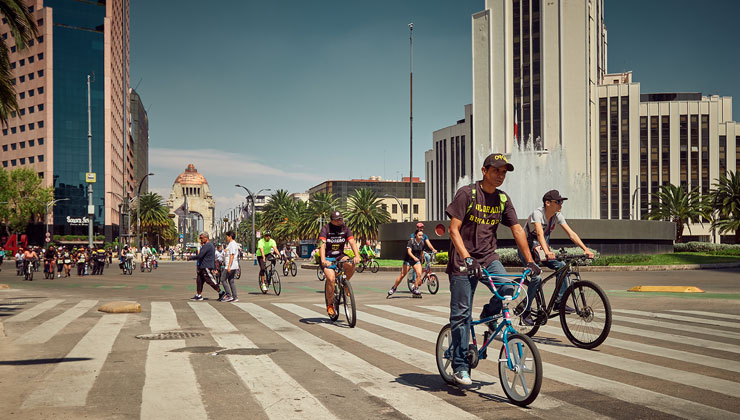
333	236
475	214
265	246
539	226
29	256
366	252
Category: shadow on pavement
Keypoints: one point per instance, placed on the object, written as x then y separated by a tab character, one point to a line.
434	383
42	361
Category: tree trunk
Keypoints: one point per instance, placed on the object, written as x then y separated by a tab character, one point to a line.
737	237
679	231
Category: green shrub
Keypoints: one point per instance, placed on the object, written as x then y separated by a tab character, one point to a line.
708	247
620	260
510	256
442	258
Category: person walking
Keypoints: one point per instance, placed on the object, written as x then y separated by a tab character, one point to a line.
475	213
231	264
206	263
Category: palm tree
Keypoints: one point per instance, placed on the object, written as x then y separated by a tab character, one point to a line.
316	214
365	214
726	199
23	29
674	204
153	214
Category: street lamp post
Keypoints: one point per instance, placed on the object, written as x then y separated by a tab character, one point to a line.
399	203
411	122
46	215
90	209
253	236
138	211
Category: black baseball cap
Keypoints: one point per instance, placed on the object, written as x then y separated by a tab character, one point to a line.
336	215
498	160
553	195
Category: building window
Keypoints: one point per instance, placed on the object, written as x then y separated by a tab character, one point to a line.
13	162
22	161
462	155
22	62
41	39
31	9
5	131
22	79
394	208
5	35
12	65
683	136
41	158
737	154
384	206
40	73
12	130
665	142
694	150
416	209
23	112
30	59
40	56
40	22
614	157
41	107
22	95
23	144
405	208
41	141
31	126
30	76
30	159
40	90
23	128
5	147
705	153
31	109
30	143
31	92
41	124
643	167
654	155
722	155
625	156
603	160
13	49
5	164
30	43
40	174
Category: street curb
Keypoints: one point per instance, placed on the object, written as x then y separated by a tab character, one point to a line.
4	286
587	268
120	307
669	289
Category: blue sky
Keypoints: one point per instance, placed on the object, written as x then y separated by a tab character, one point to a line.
286	94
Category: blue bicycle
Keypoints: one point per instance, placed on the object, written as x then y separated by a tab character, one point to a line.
519	362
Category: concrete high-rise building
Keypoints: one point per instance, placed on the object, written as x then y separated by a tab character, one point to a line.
75	39
140	140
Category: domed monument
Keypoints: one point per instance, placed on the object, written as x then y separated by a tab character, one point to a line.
192	203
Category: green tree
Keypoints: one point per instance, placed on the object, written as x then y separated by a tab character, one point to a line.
154	217
23	29
365	214
674	204
316	214
725	198
24	198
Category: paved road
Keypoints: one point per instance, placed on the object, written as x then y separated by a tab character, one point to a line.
270	357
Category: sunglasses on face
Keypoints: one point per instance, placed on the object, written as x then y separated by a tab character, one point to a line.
559	201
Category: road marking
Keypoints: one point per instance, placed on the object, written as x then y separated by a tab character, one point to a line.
689	330
373	380
170	386
417	316
697	320
43	333
142	287
35	311
426	361
702	313
268	382
625	392
70	382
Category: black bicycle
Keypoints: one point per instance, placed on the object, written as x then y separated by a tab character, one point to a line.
368	263
271	277
343	294
587	323
320	273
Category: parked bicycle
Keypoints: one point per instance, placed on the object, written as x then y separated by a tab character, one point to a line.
290	267
368	263
343	294
519	361
271	277
427	276
585	312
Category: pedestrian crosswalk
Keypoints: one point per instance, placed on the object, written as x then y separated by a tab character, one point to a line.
286	360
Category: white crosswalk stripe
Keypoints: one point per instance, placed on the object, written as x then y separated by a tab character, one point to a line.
170	380
170	387
260	373
44	332
696	319
709	314
414	404
35	311
70	382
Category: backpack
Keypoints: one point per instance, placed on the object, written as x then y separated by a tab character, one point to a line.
474	190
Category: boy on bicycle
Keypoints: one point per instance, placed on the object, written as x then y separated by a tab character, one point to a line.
475	214
539	226
366	252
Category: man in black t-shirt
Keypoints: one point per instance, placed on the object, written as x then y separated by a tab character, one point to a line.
334	236
475	214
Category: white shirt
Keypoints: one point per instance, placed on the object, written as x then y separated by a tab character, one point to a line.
232	249
220	256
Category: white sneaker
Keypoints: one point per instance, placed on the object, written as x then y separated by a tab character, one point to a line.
463	378
264	287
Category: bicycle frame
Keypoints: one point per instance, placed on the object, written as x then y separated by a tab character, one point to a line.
566	271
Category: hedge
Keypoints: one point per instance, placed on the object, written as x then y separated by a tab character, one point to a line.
708	247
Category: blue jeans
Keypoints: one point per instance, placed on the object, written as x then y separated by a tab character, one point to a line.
462	289
427	258
534	281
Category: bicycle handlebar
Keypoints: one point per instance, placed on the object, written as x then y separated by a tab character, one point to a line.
490	278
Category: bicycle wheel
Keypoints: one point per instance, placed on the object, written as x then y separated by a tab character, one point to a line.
276	282
589	325
433	283
444	354
522	381
293	269
350	310
537	310
374	266
360	267
285	269
149	268
320	273
410	283
142	267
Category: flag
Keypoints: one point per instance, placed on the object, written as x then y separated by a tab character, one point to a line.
516	126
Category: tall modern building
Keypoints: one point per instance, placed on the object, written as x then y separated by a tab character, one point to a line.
140	140
50	134
542	95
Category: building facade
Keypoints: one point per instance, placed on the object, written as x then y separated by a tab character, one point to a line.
192	203
394	195
139	140
50	134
